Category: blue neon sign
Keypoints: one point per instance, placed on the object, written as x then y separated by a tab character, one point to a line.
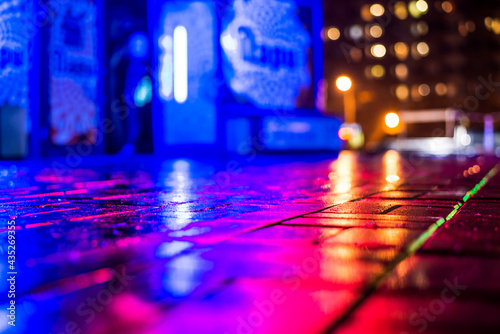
14	52
267	52
73	64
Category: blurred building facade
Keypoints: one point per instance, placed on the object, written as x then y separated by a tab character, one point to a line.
89	77
414	55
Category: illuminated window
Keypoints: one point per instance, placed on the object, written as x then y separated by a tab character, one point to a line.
495	26
422	6
401	71
488	22
441	89
378	71
422	28
401	50
447	6
413	9
355	32
423	48
333	33
378	50
376	31
400	10
377	10
365	13
424	90
402	92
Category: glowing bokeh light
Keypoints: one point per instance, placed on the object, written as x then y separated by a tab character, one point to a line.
465	139
180	64
333	33
355	32
422	28
422	6
376	31
441	89
346	133
423	48
401	71
343	83
378	50
378	71
447	6
401	50
377	10
400	10
424	89
402	92
413	9
392	120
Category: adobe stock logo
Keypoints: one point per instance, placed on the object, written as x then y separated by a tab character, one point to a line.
420	320
482	92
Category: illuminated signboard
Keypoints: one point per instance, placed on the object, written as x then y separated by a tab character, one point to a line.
267	53
14	52
15	62
73	66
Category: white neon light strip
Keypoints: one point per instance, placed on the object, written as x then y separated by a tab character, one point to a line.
166	68
180	64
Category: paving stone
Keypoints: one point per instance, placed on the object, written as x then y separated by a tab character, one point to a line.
202	250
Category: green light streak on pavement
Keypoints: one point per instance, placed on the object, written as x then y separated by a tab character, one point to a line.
412	248
415	245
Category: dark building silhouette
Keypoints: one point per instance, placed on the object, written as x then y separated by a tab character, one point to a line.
435	54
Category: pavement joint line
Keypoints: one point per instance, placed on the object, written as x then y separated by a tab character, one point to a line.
302	215
410	250
392	208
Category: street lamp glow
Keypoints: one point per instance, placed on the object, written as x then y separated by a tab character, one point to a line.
344	83
392	120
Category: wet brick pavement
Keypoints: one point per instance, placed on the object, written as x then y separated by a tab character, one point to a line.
354	244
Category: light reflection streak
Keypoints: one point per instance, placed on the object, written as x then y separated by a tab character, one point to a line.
343	172
184	273
180	181
392	166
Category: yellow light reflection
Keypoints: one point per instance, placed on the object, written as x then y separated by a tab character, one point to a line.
350	253
343	172
392	166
